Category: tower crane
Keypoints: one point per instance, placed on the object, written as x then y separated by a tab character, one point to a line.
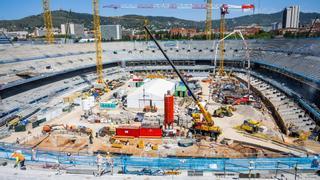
146	36
209	20
48	21
224	9
97	36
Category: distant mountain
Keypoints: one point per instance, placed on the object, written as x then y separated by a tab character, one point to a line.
136	21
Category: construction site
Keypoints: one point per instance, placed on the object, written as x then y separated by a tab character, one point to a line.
213	108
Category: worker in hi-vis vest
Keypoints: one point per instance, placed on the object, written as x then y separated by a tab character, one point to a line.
19	159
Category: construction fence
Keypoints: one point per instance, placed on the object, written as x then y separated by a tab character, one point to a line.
198	164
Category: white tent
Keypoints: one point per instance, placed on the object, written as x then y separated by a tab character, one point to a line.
153	91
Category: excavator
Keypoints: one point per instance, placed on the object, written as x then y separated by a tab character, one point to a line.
201	126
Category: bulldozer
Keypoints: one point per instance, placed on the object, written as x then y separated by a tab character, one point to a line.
204	126
224	111
250	126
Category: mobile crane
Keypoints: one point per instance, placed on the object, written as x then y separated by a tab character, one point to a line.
200	126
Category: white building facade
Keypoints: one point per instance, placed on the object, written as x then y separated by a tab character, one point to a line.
291	17
73	29
111	32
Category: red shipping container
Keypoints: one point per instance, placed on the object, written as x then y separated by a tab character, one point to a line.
128	131
137	79
151	132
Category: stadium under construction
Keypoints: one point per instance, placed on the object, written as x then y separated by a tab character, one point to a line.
162	108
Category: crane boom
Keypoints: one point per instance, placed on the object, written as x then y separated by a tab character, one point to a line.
200	6
205	113
48	21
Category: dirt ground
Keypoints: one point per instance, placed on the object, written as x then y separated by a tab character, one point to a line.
167	146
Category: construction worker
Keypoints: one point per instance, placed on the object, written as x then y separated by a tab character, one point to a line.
34	154
99	164
315	162
90	138
110	162
19	159
70	159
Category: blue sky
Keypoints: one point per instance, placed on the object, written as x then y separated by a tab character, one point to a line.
16	9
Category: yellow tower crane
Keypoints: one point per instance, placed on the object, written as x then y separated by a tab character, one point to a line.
209	20
146	35
223	12
97	35
48	21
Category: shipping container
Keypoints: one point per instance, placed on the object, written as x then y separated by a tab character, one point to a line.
20	128
129	131
139	84
108	105
38	122
151	132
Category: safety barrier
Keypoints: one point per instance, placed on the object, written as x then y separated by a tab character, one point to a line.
132	162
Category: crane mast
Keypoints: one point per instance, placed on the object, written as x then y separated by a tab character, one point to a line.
146	36
224	9
97	35
209	20
223	12
48	21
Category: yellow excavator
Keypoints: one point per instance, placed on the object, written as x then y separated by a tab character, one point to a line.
201	126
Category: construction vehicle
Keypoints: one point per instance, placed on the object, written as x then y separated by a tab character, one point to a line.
251	126
172	172
14	121
140	144
117	144
315	135
203	126
107	130
50	128
83	129
224	111
154	147
295	132
150	109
